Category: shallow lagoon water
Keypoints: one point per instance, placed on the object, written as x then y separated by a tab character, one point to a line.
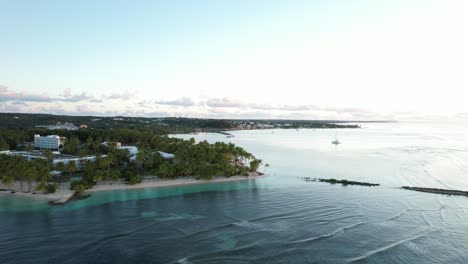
275	219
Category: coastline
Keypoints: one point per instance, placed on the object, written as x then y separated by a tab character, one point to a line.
167	183
64	194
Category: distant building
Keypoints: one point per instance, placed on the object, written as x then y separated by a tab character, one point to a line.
112	143
59	125
132	150
80	162
48	142
83	126
56	173
166	155
28	155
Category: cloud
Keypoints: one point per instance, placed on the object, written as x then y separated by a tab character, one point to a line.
69	97
216	104
228	107
11	107
85	109
183	101
225	102
8	95
66	92
283	107
126	95
70	103
228	102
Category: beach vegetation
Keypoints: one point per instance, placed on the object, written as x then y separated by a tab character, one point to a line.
51	188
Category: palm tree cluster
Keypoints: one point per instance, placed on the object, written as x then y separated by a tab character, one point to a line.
30	175
200	160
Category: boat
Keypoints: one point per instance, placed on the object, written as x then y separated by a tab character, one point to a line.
336	141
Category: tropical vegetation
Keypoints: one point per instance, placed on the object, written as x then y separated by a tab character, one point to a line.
201	160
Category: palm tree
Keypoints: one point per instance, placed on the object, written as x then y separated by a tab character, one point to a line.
265	168
49	155
44	176
60	167
70	167
115	175
143	157
254	164
8	180
166	171
20	172
83	152
31	176
108	162
102	162
98	176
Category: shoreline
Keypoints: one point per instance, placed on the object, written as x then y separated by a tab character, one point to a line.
146	184
63	194
223	131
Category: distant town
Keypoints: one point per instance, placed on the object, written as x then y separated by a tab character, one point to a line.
163	124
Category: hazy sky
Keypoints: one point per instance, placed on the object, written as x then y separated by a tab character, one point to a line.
329	59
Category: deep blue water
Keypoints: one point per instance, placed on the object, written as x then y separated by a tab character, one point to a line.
276	219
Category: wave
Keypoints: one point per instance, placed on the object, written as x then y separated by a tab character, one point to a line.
386	248
218	257
438	180
342	229
183	261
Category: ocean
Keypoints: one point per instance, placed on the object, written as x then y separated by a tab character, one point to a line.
275	219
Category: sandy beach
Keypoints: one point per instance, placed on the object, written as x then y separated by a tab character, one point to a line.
63	193
166	183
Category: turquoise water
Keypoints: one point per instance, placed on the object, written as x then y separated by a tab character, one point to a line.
275	219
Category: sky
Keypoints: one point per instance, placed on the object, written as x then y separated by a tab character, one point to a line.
296	59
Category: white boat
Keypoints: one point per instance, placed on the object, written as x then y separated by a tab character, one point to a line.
336	141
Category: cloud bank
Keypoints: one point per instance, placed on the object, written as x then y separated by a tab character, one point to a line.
129	104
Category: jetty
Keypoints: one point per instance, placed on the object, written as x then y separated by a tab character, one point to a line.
225	133
64	199
342	182
438	191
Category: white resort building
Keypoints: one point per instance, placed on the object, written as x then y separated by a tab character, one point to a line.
48	142
80	162
133	151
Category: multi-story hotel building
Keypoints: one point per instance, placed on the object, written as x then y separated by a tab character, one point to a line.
48	142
